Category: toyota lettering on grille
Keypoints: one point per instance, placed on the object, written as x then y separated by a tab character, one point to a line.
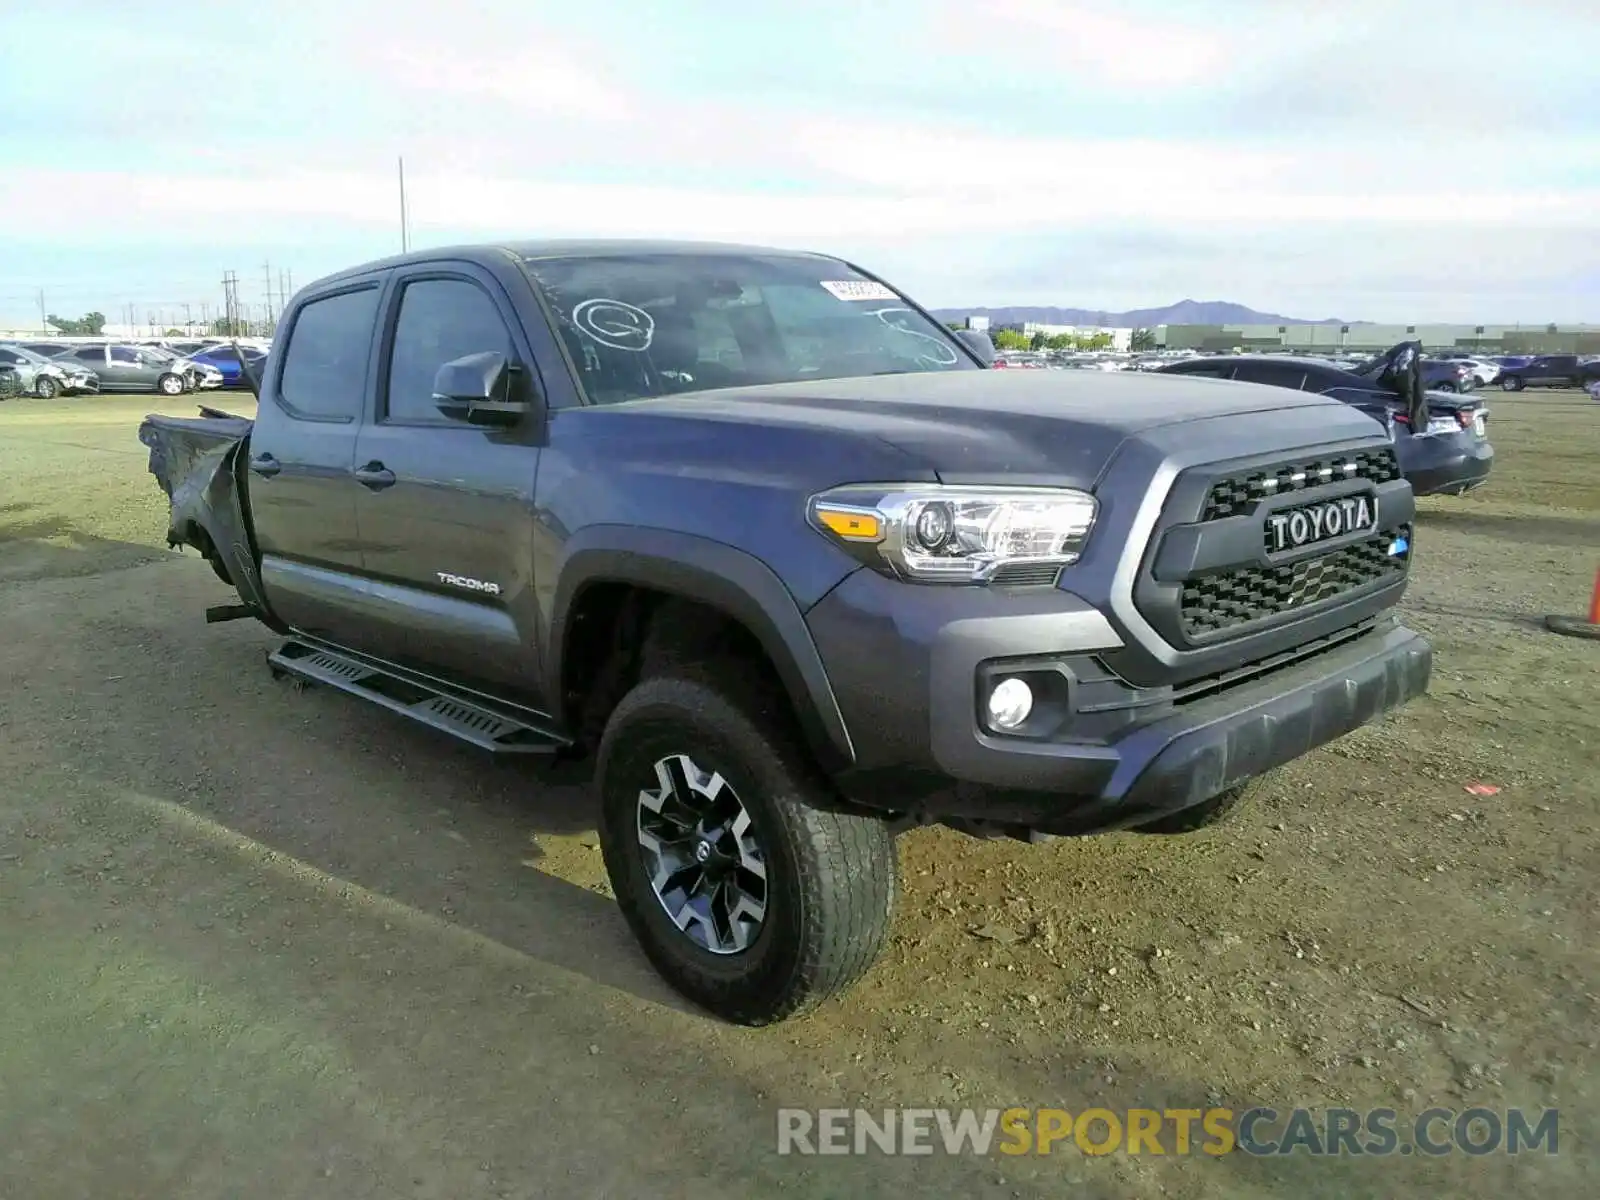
1296	528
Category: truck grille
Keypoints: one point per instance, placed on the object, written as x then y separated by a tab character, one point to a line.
1218	602
1234	495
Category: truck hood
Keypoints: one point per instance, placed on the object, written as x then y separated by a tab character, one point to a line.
1050	427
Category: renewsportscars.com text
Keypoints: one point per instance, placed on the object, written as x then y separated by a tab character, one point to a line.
1174	1131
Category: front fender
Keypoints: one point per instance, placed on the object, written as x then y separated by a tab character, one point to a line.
725	578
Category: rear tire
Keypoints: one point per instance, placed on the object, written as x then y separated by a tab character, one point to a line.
700	750
1510	384
1203	815
45	388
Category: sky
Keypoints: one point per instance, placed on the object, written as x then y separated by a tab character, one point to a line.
1383	160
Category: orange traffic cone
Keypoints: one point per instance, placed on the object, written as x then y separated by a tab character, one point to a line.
1578	626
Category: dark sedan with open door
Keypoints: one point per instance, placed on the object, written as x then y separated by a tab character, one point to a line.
1448	454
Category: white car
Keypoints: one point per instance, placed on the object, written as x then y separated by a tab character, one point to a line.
1482	370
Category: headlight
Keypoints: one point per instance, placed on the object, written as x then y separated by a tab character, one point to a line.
938	534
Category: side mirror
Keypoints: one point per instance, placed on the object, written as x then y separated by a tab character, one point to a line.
978	342
478	389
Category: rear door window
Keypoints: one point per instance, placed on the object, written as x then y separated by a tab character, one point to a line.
324	374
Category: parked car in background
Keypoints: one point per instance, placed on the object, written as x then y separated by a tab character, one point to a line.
46	349
1451	456
1547	370
10	383
44	377
226	360
1483	371
184	347
1440	376
135	368
200	375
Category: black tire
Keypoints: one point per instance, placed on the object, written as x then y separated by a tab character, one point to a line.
1204	815
1578	627
45	388
171	385
1444	387
831	880
1510	383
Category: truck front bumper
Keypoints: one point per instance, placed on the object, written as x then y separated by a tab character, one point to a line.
1112	757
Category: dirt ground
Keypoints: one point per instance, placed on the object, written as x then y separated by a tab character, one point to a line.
263	943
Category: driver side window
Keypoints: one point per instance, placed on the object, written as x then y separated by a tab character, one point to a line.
440	320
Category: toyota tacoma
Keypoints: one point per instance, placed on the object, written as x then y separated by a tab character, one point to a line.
774	556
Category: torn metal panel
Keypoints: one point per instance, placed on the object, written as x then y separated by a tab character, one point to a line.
198	462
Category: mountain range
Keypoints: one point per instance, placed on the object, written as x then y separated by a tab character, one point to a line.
1184	312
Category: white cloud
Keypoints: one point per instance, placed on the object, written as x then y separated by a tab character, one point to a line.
1101	46
70	205
896	184
530	81
1329	148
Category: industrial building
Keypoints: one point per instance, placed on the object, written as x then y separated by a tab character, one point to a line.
1361	338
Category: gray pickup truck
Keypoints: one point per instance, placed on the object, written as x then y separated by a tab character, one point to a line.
761	544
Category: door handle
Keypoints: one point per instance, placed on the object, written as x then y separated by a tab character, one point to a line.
265	465
375	476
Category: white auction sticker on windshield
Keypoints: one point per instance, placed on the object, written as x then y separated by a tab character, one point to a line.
858	289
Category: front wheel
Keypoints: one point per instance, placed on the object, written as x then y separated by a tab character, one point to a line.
1445	387
45	388
1510	383
747	886
170	385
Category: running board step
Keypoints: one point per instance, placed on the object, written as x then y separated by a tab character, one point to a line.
495	729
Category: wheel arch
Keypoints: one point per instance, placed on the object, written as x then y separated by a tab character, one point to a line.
721	577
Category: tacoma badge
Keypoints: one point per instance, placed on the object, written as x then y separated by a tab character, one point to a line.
471	585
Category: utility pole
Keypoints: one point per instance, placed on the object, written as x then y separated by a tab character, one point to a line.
266	269
43	324
405	231
230	301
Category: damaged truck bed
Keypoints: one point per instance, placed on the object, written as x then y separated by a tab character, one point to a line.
199	462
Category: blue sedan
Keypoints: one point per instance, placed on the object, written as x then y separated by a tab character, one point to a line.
225	360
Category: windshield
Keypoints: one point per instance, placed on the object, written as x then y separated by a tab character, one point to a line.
28	356
656	324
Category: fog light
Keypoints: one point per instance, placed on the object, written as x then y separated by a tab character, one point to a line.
1010	703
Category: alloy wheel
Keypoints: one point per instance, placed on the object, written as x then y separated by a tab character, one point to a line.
704	861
